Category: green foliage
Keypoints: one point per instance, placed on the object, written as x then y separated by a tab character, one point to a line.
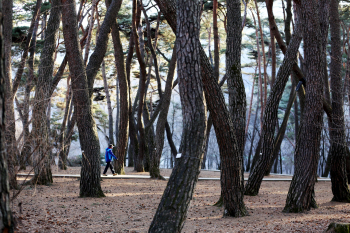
45	7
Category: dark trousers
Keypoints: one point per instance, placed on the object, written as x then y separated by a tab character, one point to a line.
109	165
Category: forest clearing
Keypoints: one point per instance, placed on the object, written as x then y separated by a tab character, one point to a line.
130	205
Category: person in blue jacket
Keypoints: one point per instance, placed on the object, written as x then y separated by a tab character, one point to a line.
109	156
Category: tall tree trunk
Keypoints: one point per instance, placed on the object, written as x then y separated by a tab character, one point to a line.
263	54
133	145
231	175
40	131
109	105
26	148
136	15
260	79
237	96
301	192
270	116
90	185
10	127
6	221
337	151
216	73
172	210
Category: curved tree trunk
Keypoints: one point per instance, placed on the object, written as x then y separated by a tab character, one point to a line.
40	131
231	175
270	117
90	185
172	210
301	192
337	151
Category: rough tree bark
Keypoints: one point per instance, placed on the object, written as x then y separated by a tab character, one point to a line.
270	116
237	96
10	125
90	185
301	192
337	152
40	134
231	175
172	210
6	221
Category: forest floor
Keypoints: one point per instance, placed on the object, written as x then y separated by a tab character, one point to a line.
130	204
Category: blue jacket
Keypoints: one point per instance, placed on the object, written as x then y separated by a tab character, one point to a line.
109	155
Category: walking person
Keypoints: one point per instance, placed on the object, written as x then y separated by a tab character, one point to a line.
109	156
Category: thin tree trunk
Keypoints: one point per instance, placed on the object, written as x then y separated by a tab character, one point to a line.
250	107
91	25
172	210
133	145
270	117
264	55
62	162
20	69
26	148
337	152
281	132
136	14
162	119
96	58
90	185
254	133
109	105
301	192
299	74
260	80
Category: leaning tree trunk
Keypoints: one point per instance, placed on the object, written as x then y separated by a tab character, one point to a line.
231	175
337	151
172	210
270	117
90	185
160	128
40	134
6	221
301	192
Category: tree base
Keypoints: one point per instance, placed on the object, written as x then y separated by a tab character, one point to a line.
251	192
338	228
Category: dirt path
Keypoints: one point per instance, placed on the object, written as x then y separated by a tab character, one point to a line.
130	204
